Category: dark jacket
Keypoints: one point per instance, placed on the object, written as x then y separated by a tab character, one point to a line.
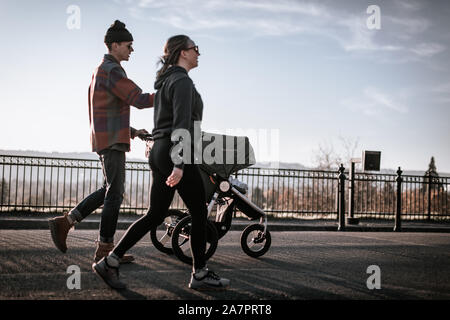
177	104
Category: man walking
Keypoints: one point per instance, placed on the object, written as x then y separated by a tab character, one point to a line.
110	95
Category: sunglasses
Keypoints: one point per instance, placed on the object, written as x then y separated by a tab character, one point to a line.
195	49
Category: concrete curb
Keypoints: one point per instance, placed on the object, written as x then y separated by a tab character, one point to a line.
27	223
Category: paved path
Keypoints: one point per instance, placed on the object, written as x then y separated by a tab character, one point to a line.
40	221
299	265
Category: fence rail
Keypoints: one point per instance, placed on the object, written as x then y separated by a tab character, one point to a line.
45	184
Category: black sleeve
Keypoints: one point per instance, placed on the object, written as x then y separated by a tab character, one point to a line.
182	110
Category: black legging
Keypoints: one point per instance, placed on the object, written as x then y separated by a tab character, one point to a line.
191	190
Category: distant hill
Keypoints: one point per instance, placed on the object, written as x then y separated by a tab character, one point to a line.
93	156
71	155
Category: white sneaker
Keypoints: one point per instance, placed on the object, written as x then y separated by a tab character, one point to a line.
205	278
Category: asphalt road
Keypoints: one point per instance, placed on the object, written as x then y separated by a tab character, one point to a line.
298	266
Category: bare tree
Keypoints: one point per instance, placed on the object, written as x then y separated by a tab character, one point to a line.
327	158
349	147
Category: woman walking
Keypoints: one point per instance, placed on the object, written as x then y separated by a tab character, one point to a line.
177	106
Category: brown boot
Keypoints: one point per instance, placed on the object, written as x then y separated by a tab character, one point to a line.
104	248
59	228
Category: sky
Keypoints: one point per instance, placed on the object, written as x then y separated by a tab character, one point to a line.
296	76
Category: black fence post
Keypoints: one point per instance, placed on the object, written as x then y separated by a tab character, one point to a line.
341	198
429	196
398	213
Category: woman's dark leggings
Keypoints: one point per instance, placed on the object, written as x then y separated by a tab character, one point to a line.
191	191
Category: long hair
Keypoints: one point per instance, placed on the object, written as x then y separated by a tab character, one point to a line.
172	50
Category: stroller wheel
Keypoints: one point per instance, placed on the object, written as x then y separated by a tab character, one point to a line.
181	243
161	236
254	242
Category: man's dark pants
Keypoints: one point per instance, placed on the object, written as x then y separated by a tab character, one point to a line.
110	195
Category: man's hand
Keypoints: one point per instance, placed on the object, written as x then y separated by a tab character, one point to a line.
175	177
141	133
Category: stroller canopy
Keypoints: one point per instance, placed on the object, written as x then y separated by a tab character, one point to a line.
225	155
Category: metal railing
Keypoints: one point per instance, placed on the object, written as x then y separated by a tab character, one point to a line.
422	197
45	184
292	193
57	184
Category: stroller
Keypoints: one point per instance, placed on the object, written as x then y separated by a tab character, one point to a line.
224	191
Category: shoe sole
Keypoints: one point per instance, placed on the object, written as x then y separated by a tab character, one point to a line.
208	288
127	261
100	276
120	260
52	227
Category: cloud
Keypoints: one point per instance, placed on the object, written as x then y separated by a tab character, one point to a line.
407	30
409	5
384	100
309	9
259	17
357	37
441	93
442	88
408	25
373	101
428	49
400	38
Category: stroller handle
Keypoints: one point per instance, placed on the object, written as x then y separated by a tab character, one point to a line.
146	137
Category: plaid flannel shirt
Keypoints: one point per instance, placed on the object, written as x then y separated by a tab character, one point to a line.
110	95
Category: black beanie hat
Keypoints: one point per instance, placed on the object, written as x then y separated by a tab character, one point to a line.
118	33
